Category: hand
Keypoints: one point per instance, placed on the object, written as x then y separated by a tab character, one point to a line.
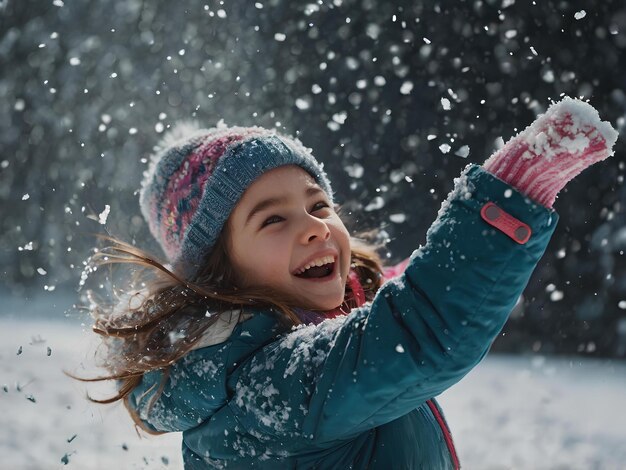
554	149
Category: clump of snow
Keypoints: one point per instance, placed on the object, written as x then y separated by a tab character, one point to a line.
376	203
102	217
406	88
567	128
556	296
397	218
550	135
27	247
463	151
302	340
548	76
355	170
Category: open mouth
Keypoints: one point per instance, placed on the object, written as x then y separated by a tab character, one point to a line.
319	268
318	272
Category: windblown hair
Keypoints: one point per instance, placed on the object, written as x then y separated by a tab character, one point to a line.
162	316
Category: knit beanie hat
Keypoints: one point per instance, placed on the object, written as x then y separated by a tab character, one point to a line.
197	176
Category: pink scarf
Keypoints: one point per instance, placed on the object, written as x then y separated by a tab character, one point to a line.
354	294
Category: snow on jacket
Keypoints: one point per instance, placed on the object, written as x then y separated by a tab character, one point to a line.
354	391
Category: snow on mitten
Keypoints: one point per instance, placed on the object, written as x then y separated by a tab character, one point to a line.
557	146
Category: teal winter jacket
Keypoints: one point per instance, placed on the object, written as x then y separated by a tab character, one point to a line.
355	391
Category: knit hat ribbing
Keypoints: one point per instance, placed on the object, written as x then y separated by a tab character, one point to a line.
197	176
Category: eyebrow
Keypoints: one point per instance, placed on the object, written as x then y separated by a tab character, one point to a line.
275	201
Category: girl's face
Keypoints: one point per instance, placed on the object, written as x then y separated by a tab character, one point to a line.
283	234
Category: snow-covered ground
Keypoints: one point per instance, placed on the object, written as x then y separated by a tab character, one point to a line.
509	413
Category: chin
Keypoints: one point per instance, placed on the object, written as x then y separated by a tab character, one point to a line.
327	305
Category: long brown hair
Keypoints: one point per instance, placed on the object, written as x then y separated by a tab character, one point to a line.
162	316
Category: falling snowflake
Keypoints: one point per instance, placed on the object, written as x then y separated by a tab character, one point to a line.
102	217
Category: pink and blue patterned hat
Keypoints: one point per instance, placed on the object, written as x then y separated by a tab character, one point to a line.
197	176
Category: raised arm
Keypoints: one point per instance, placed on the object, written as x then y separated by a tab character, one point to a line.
427	328
421	334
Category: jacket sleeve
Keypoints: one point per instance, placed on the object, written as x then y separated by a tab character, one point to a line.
422	333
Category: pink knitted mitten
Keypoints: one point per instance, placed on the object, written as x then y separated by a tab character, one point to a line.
544	157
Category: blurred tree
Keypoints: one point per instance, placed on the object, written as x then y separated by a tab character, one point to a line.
395	97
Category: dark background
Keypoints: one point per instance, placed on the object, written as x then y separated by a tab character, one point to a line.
86	88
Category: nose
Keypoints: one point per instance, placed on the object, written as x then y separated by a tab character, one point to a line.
314	229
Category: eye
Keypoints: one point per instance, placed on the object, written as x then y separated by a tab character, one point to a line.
319	205
272	220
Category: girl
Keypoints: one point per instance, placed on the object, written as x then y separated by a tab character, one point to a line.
271	339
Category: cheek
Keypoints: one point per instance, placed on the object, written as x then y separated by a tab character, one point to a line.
240	257
342	235
261	261
343	240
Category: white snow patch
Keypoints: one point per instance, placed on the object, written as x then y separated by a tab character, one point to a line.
102	217
406	88
376	203
397	218
340	118
515	412
548	76
355	170
27	247
509	412
463	151
556	295
303	103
